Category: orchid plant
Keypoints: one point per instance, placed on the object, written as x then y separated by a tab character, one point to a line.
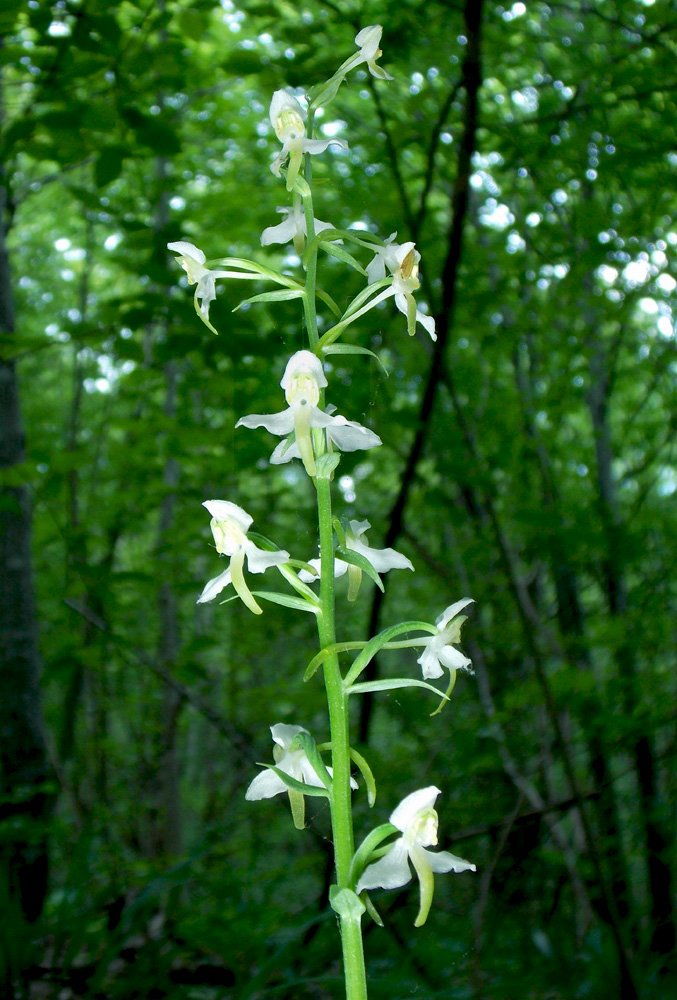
314	433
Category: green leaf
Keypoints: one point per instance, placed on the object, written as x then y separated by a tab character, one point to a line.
282	295
287	601
367	774
342	255
352	349
357	559
324	654
346	903
380	640
298	786
108	165
392	685
326	464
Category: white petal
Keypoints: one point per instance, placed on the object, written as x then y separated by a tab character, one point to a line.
282	101
224	510
358	528
452	611
187	250
403	815
304	361
214	587
307	577
279	234
284	452
376	269
258	560
276	423
308	773
389	872
430	663
443	861
319	145
368	40
283	733
381	559
452	659
348	435
264	786
427	322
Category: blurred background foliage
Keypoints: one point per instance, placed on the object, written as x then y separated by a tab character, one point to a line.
528	461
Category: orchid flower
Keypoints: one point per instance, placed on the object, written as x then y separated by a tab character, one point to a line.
368	39
294	762
417	820
401	259
286	116
293	228
192	259
381	559
302	382
439	651
230	525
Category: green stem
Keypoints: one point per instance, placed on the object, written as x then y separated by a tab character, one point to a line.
337	699
311	273
353	958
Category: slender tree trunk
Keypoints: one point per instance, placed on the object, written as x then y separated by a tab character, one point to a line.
25	793
656	840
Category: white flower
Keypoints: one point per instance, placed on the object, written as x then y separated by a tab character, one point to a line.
286	116
192	259
416	818
439	651
230	525
293	762
381	559
302	381
293	228
401	260
368	39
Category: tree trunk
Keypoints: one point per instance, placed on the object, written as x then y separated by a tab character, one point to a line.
26	796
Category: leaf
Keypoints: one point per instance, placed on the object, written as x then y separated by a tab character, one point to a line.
282	295
357	559
108	165
287	600
380	640
367	774
392	685
342	255
298	786
352	349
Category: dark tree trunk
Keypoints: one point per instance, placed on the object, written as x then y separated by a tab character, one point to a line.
25	793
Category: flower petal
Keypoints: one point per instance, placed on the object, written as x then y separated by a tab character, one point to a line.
276	423
381	559
452	611
429	661
389	872
404	814
453	659
348	435
283	733
443	861
187	250
224	510
279	234
264	786
258	560
214	587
